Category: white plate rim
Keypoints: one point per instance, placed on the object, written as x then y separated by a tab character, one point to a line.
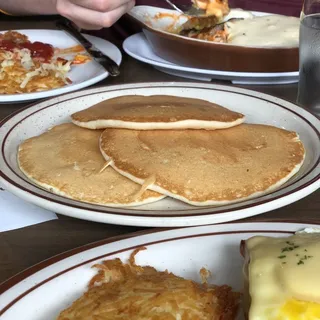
197	217
172	66
24	97
131	241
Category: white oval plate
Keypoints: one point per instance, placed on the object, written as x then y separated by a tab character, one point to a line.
138	47
44	290
81	75
258	108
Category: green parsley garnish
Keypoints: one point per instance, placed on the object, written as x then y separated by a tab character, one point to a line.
301	261
291	246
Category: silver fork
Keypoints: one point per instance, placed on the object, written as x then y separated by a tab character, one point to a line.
188	9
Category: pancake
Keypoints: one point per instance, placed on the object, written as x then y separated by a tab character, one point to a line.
66	160
156	112
204	167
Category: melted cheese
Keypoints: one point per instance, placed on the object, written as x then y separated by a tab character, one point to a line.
284	277
265	31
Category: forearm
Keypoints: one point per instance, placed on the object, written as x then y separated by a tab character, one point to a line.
28	7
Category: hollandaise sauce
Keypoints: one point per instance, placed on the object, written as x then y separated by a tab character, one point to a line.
283	277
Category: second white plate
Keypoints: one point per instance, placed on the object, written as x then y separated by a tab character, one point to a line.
46	289
137	46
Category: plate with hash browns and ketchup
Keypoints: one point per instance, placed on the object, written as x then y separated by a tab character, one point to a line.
34	66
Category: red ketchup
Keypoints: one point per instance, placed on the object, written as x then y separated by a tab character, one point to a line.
39	50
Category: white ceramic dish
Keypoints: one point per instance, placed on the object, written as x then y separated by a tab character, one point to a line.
158	25
258	108
138	47
82	75
44	290
169	20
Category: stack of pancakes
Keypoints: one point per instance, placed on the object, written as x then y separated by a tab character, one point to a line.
156	146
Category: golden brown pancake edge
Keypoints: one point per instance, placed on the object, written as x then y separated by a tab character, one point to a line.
156	112
69	165
246	180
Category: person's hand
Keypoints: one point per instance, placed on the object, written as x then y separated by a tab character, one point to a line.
94	14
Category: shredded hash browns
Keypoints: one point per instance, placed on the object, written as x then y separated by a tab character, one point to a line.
23	69
127	291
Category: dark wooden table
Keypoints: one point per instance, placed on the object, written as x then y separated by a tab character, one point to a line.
24	247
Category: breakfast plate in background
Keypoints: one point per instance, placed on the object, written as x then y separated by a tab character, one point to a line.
81	75
161	28
44	290
138	47
257	107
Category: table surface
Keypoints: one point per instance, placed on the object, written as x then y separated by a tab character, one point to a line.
22	248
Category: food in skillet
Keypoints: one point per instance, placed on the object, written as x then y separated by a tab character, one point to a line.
282	279
128	291
205	28
27	66
218	8
215	10
243	28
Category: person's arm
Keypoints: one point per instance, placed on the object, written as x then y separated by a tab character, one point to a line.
87	14
28	7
